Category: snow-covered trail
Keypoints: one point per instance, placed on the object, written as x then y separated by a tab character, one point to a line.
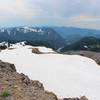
65	75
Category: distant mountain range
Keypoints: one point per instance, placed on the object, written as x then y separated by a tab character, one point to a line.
72	34
53	37
86	43
34	36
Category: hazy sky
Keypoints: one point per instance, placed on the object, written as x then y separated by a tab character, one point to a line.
79	13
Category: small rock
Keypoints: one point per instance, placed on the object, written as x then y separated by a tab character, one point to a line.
83	98
38	84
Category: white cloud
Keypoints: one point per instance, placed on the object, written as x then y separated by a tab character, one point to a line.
50	12
15	8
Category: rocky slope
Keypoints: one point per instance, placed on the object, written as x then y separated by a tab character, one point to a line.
15	86
20	86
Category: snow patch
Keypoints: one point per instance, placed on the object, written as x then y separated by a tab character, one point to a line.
33	29
2	30
65	75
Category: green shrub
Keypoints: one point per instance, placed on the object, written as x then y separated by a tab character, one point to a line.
4	94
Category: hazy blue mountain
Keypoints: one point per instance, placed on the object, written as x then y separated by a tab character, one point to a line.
72	34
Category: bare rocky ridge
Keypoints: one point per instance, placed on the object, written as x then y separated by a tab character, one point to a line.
20	87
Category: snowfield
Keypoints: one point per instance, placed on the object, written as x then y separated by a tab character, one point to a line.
65	75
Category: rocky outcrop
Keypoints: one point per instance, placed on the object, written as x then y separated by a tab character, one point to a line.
20	87
3	47
15	86
36	50
81	98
